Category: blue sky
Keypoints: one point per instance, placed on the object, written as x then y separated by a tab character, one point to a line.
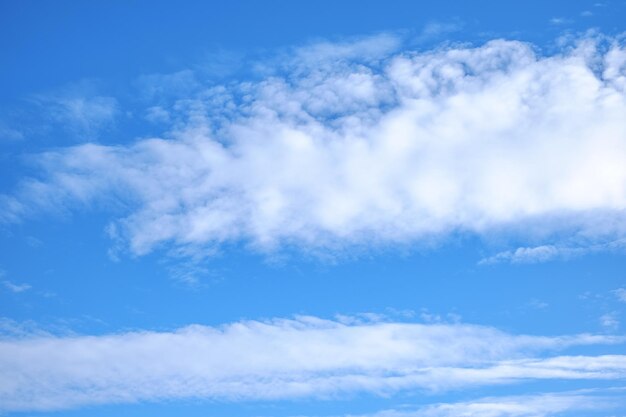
313	209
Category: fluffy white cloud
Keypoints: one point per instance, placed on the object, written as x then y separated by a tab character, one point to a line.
281	359
351	144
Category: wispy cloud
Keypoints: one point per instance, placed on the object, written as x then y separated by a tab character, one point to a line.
12	286
560	21
9	134
354	144
278	359
436	29
77	110
620	293
610	321
16	287
155	88
538	405
83	115
544	253
530	255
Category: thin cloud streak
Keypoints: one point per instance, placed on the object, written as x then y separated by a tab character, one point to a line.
537	405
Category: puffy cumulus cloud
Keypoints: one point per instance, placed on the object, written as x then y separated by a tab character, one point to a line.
278	359
353	144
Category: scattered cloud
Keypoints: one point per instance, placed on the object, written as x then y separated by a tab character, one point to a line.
284	358
33	242
156	88
620	293
362	143
435	29
327	55
9	134
11	286
428	317
610	321
77	109
545	253
16	288
529	255
560	21
157	114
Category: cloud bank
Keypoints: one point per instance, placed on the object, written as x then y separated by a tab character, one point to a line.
345	145
280	359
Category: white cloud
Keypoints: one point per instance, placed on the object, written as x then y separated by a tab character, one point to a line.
328	56
157	87
12	286
157	114
352	144
620	293
437	29
529	255
538	405
78	110
546	253
278	359
9	134
560	21
610	321
87	113
16	287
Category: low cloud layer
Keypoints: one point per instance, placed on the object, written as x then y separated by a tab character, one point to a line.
297	358
355	145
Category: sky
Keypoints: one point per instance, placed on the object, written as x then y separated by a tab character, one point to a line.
313	209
